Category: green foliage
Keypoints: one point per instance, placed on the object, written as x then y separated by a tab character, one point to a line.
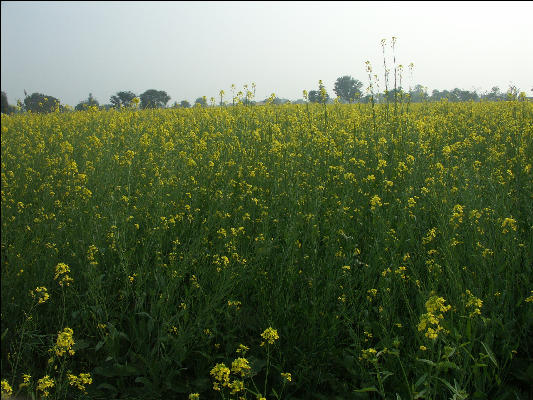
348	88
154	99
40	103
122	99
85	104
4	105
201	101
390	254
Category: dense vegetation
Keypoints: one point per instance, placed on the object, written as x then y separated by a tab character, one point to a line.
299	251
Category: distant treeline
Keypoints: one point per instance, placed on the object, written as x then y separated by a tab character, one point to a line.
347	90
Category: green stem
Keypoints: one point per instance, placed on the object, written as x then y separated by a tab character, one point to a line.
267	368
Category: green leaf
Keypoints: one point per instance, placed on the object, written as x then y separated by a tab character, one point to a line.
81	344
421	380
256	364
447	384
107	386
426	361
385	375
490	354
445	365
99	345
367	389
422	394
145	381
117	370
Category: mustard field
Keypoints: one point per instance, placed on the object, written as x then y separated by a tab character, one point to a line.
269	252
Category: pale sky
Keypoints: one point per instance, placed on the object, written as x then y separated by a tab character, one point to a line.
191	49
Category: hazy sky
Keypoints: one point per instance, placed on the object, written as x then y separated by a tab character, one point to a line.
191	49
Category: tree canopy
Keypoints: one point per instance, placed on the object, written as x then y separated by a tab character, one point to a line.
5	105
40	103
320	95
122	99
85	104
201	101
348	88
154	99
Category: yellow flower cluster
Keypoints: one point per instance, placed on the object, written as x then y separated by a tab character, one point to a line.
457	215
41	293
7	391
432	234
368	354
430	321
91	253
64	342
286	376
375	202
372	293
234	303
242	349
220	374
236	386
25	380
45	384
240	366
508	223
270	335
80	381
62	273
474	304
530	298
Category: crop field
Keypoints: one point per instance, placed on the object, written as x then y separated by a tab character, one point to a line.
269	252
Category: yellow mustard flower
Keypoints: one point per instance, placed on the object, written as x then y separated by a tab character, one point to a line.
7	391
221	375
286	376
270	335
45	384
62	273
240	366
64	342
80	381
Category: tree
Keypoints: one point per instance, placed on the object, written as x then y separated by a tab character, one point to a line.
40	103
512	92
393	94
185	104
436	95
122	99
201	101
320	95
419	94
494	95
85	104
348	88
5	104
154	99
314	96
